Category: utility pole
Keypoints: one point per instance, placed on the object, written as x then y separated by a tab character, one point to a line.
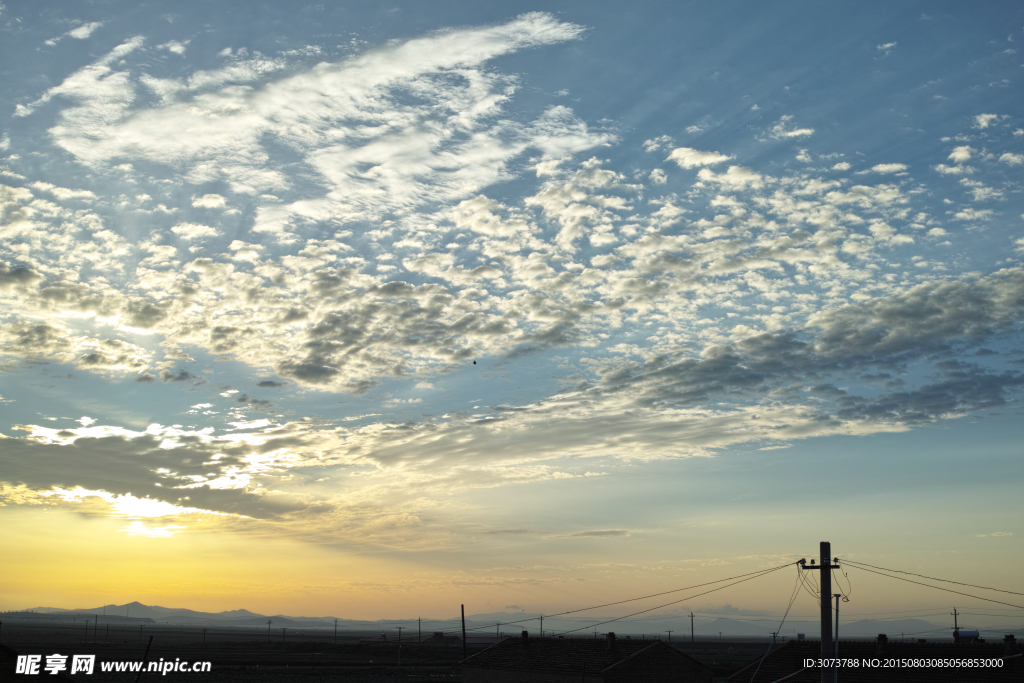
400	645
542	626
825	583
956	626
774	633
669	636
835	647
335	630
497	633
691	627
269	622
419	630
463	631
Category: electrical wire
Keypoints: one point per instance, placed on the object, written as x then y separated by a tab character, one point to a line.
839	585
645	597
932	578
948	590
816	594
690	597
792	599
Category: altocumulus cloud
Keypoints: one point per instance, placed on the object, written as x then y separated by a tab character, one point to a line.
712	304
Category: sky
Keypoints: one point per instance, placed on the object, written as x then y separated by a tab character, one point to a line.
372	310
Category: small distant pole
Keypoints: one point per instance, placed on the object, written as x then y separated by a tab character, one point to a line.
497	632
145	657
719	636
335	630
691	627
774	633
669	636
542	626
419	630
269	622
400	644
463	631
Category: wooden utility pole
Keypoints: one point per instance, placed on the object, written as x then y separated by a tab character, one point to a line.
691	627
463	631
145	658
825	568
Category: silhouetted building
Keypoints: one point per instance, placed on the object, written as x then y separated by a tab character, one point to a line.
575	660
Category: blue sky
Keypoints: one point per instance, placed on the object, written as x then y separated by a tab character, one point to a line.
621	293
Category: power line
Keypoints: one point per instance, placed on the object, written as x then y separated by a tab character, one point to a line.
792	599
948	590
713	590
645	597
932	578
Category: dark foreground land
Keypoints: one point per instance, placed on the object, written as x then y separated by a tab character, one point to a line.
249	655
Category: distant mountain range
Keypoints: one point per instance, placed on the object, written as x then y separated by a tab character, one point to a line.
747	627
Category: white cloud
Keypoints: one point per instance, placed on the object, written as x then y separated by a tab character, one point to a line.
191	231
885	47
210	201
371	153
690	158
983	121
841	166
658	177
889	168
779	130
961	154
654	144
175	46
62	193
84	31
969	214
1012	159
954	170
736	177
